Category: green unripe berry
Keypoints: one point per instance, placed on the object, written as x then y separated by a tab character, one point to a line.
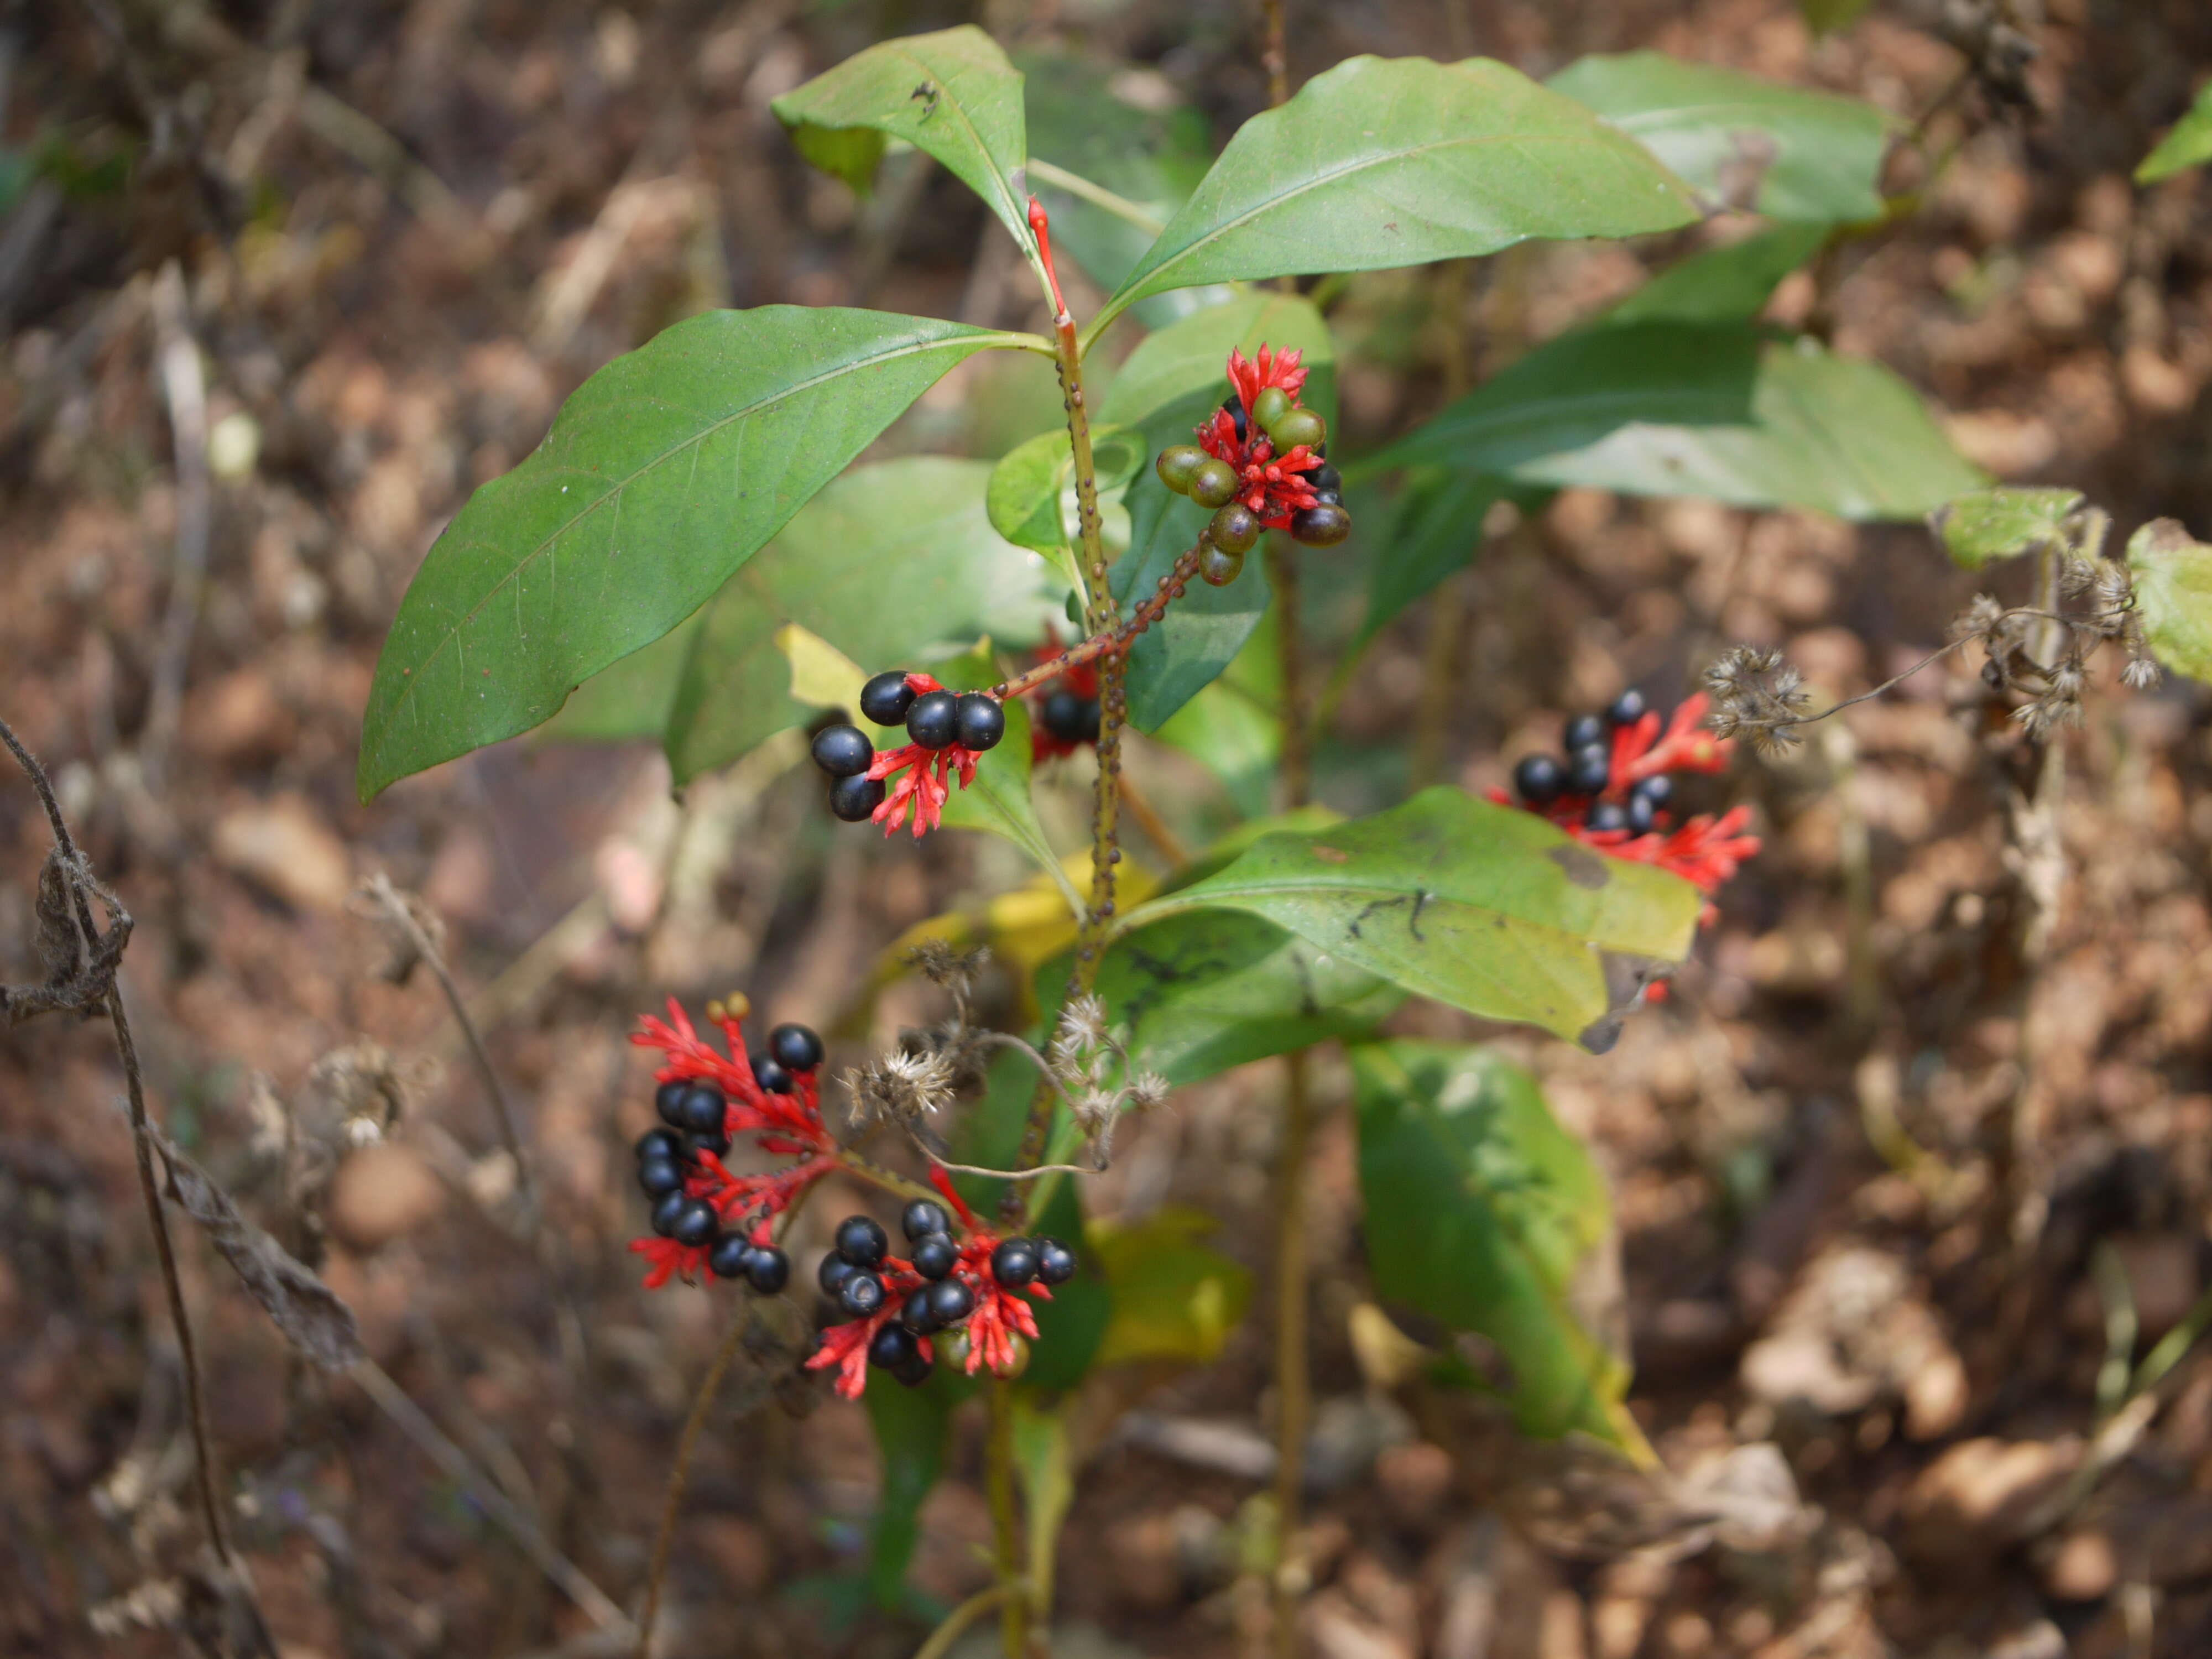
1178	464
1213	484
1269	407
1236	528
1300	426
1218	567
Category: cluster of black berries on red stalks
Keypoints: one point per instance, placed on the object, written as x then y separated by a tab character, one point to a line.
1584	779
947	732
889	1308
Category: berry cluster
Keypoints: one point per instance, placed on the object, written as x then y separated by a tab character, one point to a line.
1261	463
947	732
893	1306
1584	779
1065	717
705	1215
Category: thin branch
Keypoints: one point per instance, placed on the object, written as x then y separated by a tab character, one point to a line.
1006	1523
185	388
1030	1174
958	1621
1154	826
680	1473
1097	195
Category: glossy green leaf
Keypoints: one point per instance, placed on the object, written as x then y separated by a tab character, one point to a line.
2173	595
1730	284
1485	1214
2188	144
952	95
1483	907
1666	409
914	1430
1171	381
1234	726
1434	529
1174	1299
1031	495
1990	525
663	473
1396	161
1784	151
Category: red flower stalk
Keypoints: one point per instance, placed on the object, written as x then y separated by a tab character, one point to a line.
1273	486
929	774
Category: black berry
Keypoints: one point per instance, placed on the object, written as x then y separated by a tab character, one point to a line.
951	1301
657	1175
659	1143
1326	482
668	1101
696	1222
1590	769
771	1076
842	750
1581	732
1642	815
1607	815
982	722
731	1257
1323	525
665	1212
1070	718
704	1109
934	720
717	1143
1056	1261
861	1295
1235	405
1540	780
892	1348
855	799
796	1047
922	1218
861	1241
1628	709
886	698
1658	789
1014	1263
915	1314
935	1256
768	1269
832	1274
916	1372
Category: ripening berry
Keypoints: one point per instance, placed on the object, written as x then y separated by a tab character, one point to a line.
1219	566
951	1301
665	1212
768	1269
886	697
668	1101
1323	525
842	750
1070	718
696	1223
893	1346
1300	426
1590	769
1213	484
1269	407
770	1075
1540	780
1606	815
704	1109
922	1218
982	722
730	1257
913	1313
656	1176
659	1143
1014	1263
1658	789
861	1241
1581	732
1235	405
861	1295
934	1255
1177	465
854	799
934	720
832	1274
1235	529
1628	709
795	1048
1056	1261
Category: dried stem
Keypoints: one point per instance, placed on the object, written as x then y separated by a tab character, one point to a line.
185	388
1274	55
680	1473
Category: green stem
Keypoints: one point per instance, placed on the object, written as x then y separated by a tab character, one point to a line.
1097	195
958	1621
1006	1523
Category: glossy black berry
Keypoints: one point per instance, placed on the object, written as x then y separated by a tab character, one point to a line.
656	1176
1235	405
771	1076
795	1048
1590	769
659	1143
832	1274
861	1241
1056	1261
1070	718
1658	789
916	1372
861	1295
915	1314
696	1222
1322	524
951	1301
768	1269
922	1218
717	1143
885	698
855	799
666	1209
731	1257
1606	815
1014	1263
1642	815
892	1347
934	720
1327	481
1627	709
704	1109
1540	780
668	1101
842	750
982	722
935	1256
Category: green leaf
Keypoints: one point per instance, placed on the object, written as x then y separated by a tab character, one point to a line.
1483	1213
1487	908
663	473
1171	381
1031	495
999	800
1783	151
2188	145
1234	727
1174	1299
1436	528
632	698
2173	595
1730	284
952	95
1988	524
1397	162
1666	409
914	1429
1044	1464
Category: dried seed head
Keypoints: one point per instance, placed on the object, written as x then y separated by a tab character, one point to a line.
1756	696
